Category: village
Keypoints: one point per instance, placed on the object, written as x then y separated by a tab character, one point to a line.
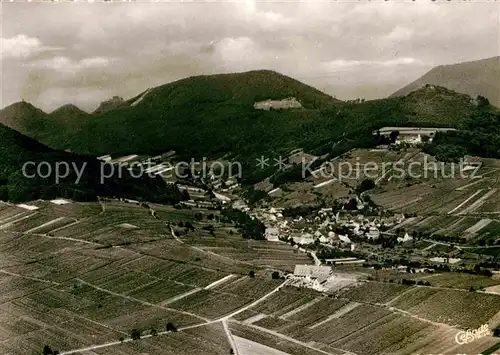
350	231
277	260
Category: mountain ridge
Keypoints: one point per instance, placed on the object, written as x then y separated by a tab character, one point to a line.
214	115
477	77
20	182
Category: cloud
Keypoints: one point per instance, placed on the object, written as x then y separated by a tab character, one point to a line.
235	49
341	64
122	49
22	46
83	97
66	65
400	33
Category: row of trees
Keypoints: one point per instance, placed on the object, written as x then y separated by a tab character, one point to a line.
249	227
479	135
136	334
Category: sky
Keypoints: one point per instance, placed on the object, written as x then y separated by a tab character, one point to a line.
84	53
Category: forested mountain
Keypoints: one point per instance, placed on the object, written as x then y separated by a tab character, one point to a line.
474	78
18	185
214	116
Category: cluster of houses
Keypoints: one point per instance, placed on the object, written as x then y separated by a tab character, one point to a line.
321	228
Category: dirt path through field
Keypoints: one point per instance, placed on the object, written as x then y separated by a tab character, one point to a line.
337	314
68	239
410	289
253	304
128	340
44	225
292	340
301	308
207	251
141	302
466	200
230	338
29	278
10	223
479	202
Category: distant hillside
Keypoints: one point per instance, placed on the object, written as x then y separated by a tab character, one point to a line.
438	105
27	119
47	128
17	149
236	89
67	114
111	104
479	77
214	116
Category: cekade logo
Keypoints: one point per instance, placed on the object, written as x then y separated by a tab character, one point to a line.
468	336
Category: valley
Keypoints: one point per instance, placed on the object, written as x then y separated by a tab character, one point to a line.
249	213
113	277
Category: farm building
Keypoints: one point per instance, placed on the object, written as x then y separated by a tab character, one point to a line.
306	238
411	135
272	234
290	102
344	238
406	238
373	233
311	276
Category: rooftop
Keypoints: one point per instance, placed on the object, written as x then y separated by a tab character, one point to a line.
412	130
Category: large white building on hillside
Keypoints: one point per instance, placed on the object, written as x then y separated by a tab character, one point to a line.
411	135
290	102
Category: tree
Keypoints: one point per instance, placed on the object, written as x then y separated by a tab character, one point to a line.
185	195
153	331
275	275
393	136
365	185
251	273
135	334
189	226
425	139
47	350
4	196
477	269
352	205
171	327
482	101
